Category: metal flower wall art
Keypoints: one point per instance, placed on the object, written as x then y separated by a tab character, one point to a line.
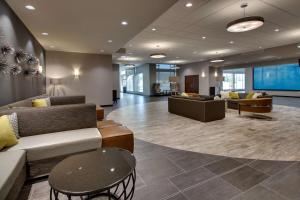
4	67
7	50
21	56
15	69
15	61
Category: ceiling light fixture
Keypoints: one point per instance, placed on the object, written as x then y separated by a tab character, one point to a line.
217	61
298	46
124	23
30	7
188	4
109	41
129	66
246	23
203	37
231	42
276	30
158	55
45	34
153	29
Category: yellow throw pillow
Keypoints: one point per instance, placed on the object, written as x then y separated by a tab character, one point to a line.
184	94
250	95
233	95
39	103
7	135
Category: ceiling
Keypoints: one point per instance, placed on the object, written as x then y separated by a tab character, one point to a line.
180	30
86	26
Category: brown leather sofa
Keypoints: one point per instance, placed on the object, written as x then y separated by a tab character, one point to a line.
199	108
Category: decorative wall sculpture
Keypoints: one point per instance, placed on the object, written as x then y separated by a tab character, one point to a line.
25	62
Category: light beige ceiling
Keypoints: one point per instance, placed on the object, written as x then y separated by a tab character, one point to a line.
86	25
180	31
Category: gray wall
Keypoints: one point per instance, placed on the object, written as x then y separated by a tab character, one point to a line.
249	75
14	33
196	69
95	80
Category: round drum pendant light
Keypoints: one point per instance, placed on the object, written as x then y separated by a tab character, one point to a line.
158	55
246	23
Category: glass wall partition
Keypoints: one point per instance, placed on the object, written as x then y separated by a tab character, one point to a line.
234	80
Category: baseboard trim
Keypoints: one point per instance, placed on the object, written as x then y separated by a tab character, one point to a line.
109	105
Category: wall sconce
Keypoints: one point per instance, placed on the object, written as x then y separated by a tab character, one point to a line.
203	75
76	73
40	69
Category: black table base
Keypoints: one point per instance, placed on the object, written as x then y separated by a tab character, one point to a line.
124	190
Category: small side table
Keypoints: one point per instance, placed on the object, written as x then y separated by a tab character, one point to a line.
108	172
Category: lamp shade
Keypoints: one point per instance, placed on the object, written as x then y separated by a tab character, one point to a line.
220	78
55	81
173	79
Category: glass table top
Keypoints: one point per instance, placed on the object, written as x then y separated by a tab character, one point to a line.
91	172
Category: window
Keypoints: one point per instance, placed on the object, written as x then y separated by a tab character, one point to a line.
234	80
139	82
163	72
130	83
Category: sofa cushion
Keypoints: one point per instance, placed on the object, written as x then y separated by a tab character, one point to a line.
7	135
51	145
12	163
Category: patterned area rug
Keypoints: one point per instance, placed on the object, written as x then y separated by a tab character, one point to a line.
234	136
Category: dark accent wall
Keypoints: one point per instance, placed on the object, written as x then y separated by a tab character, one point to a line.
14	33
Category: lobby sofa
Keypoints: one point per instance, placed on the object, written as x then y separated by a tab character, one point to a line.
48	135
199	108
234	103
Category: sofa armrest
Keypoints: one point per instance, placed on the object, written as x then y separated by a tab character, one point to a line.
65	100
36	121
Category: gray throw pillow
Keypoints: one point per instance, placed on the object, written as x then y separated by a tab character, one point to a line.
13	119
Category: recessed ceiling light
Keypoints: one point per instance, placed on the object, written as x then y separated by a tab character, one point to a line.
298	46
45	33
231	42
188	4
153	29
246	23
217	61
124	23
276	30
158	55
203	37
109	41
30	7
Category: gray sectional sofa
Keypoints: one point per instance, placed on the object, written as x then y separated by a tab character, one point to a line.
48	135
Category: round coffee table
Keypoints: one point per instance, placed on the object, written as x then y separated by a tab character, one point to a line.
108	172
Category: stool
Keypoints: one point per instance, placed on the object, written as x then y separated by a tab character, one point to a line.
117	136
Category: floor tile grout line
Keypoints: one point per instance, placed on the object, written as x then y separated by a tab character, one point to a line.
279	194
282	169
